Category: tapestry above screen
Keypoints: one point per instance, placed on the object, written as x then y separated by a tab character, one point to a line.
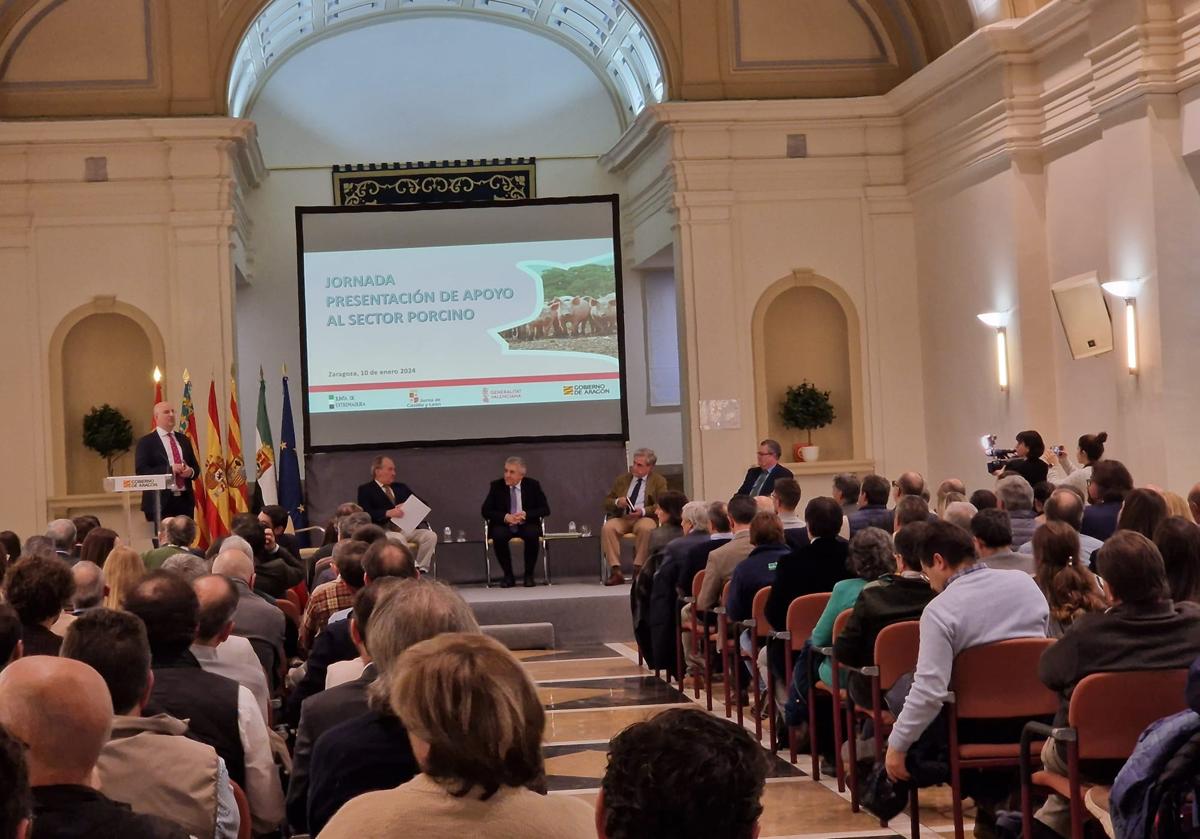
435	182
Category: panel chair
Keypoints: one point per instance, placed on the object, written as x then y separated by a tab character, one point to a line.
997	681
837	694
802	615
487	552
626	538
693	628
760	631
895	655
1107	714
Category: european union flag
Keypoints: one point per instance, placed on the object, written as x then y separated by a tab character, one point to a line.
291	493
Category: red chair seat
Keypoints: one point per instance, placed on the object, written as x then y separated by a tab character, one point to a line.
992	751
1058	783
820	685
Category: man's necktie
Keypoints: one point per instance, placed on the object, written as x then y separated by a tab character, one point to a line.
637	487
758	485
387	490
514	505
176	457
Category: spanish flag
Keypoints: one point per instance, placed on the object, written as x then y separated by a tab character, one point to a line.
235	466
215	487
187	424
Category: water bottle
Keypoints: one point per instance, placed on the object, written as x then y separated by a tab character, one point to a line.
446	535
462	535
571	527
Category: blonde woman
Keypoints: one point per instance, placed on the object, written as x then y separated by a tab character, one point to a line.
123	570
475	725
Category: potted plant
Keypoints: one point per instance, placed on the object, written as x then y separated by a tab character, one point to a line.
107	432
806	407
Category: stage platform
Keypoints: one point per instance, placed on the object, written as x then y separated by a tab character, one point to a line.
581	612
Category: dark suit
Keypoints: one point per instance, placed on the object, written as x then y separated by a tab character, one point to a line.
776	472
150	458
669	577
375	502
812	569
332	644
496	507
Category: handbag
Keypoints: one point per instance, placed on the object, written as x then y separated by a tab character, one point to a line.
881	795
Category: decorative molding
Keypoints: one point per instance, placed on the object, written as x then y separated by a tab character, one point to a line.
435	182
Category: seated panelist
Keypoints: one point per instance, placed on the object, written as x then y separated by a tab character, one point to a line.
630	507
381	498
760	479
514	508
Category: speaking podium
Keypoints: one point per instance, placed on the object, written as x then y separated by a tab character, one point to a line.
127	484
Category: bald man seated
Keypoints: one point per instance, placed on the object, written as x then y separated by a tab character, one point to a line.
61	710
165	451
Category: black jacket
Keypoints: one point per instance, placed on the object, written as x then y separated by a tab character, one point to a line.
533	502
777	471
275	573
814	568
332	644
150	458
375	502
65	811
880	604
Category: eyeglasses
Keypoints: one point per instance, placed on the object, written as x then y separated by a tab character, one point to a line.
764	454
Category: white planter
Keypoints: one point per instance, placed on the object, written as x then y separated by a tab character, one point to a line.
810	453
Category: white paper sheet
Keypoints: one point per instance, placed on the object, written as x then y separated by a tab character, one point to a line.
415	512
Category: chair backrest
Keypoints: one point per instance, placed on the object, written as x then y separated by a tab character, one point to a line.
1110	710
896	649
289	608
697	584
803	614
840	622
243	807
1000	681
758	611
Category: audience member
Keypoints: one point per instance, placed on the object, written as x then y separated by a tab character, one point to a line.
1066	505
992	533
175	536
1071	589
10	635
89	586
758	569
909	509
275	570
817	567
256	620
1178	540
16	805
149	761
786	496
901	595
186	565
61	710
216	647
630	508
12	545
1177	505
1109	485
123	571
1028	463
276	517
481	767
1041	494
911	483
960	513
1064	472
371	751
948	487
976	605
1193	501
760	479
38	587
1142	512
61	532
872	506
99	545
1016	498
846	489
84	525
347	518
219	711
672	579
984	499
669	514
336	595
1144	630
42	546
682	774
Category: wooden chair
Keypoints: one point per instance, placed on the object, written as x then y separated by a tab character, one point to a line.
837	695
802	615
1107	714
760	631
996	681
243	807
707	636
895	655
721	637
294	597
693	628
290	610
487	555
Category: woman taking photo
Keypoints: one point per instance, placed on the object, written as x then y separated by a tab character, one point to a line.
1064	472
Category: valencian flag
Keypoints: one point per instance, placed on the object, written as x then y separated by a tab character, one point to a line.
265	490
215	488
291	495
187	424
235	466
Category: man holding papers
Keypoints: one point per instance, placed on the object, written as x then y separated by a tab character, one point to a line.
393	506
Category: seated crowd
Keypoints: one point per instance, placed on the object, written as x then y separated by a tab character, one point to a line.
177	694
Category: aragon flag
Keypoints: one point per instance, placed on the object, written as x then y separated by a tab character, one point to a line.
187	424
265	490
215	487
235	466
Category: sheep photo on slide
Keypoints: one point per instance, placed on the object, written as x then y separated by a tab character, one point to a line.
578	313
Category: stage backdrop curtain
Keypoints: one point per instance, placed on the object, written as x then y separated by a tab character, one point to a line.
435	182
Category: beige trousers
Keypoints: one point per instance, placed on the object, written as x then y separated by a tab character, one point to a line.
615	528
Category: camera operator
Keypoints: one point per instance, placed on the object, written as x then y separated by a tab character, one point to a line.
1063	471
1028	463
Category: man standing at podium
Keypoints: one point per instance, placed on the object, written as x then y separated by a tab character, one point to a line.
382	498
165	451
630	509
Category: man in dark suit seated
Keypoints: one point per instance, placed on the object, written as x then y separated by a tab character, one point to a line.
872	506
276	518
165	451
381	498
760	479
514	509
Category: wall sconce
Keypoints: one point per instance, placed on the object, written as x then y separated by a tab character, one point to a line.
999	322
1128	290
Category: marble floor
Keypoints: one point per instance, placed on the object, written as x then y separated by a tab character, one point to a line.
590	693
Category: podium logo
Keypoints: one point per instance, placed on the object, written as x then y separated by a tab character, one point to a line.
568	390
587	390
414	397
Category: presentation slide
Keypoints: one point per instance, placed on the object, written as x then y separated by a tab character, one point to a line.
463	323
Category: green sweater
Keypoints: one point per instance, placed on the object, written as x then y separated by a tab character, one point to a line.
842	598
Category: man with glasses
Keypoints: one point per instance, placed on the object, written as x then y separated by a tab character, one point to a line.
629	508
760	479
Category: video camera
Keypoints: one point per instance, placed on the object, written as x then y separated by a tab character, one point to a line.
999	458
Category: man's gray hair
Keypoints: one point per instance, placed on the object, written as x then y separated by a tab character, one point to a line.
348	524
233	563
651	457
186	565
960	513
696	512
1015	493
772	446
237	543
42	546
180	530
407	613
518	462
89	584
62	533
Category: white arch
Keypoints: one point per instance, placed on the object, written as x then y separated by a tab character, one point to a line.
605	34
